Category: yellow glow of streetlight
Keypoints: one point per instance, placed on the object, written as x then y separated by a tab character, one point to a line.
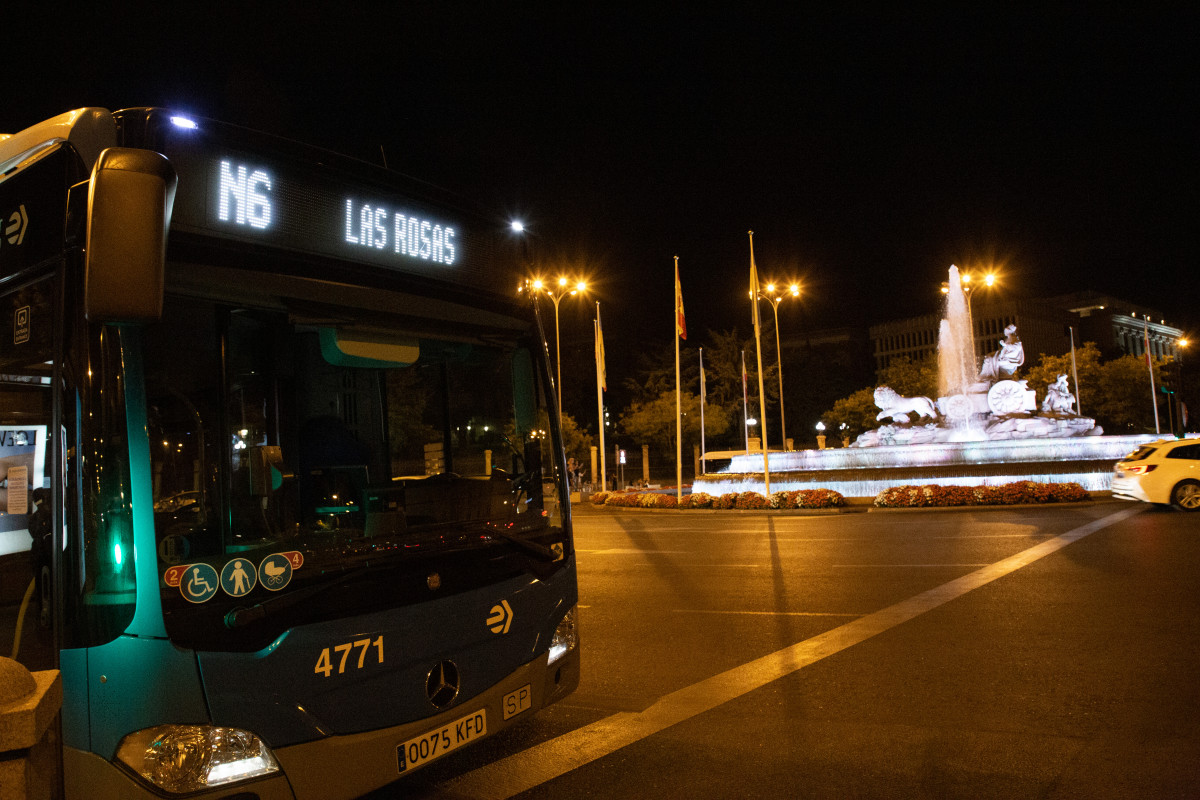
768	293
565	286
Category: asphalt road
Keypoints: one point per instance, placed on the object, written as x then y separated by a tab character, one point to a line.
1041	652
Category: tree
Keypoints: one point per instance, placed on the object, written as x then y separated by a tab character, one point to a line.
723	388
856	411
1123	399
653	422
576	441
912	378
1087	364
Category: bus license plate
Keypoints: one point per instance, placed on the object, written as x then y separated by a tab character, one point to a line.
436	743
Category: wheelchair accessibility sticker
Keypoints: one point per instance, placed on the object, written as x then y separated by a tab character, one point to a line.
196	582
275	572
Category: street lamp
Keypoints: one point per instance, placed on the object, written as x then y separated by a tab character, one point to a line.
1182	345
970	283
560	289
774	300
820	435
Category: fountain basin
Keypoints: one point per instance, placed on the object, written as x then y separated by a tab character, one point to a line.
867	471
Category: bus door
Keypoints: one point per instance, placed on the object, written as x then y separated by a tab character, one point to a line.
26	511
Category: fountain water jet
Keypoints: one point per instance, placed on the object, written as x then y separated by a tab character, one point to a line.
956	342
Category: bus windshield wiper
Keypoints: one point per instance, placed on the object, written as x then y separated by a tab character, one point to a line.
536	548
241	617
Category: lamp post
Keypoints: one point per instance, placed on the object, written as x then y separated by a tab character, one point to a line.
561	288
820	435
1182	344
774	300
970	282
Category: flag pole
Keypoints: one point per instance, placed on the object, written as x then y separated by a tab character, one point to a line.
762	399
702	410
680	332
745	405
1150	366
601	385
1075	374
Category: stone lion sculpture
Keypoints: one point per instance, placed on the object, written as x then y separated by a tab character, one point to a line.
898	408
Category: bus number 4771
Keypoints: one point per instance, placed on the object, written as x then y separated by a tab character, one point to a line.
341	654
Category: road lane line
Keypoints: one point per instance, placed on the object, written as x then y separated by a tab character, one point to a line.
551	759
889	566
765	613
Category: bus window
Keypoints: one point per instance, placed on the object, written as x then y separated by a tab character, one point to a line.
261	446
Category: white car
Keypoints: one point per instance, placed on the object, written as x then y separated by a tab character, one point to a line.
1166	472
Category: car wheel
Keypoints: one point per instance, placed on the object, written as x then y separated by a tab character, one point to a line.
1186	496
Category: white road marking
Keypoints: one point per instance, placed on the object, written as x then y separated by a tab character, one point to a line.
551	759
888	566
764	613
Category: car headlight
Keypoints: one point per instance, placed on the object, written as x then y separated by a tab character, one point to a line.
189	758
566	637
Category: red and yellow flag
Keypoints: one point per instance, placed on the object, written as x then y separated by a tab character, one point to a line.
680	323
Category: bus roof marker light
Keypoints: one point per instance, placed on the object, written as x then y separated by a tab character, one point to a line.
184	122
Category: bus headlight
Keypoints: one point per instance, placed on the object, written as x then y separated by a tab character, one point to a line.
188	758
566	637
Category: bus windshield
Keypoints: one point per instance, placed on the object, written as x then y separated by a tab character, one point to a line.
306	469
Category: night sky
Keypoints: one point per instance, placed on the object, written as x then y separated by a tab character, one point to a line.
867	152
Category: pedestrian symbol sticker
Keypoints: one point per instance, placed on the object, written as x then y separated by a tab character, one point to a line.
238	577
198	582
275	572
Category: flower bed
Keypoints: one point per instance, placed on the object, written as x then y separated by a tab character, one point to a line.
1020	492
806	498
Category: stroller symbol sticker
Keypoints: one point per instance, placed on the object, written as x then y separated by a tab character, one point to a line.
198	583
275	572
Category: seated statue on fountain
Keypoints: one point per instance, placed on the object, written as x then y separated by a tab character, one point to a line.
1059	399
1002	364
898	408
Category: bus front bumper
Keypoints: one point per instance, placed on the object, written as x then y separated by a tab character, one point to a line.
352	765
346	767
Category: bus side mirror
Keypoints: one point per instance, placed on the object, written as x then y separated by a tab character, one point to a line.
130	199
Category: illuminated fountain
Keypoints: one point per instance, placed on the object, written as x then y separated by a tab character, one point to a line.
984	429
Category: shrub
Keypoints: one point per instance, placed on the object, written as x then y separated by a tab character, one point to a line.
726	500
751	500
1017	493
598	498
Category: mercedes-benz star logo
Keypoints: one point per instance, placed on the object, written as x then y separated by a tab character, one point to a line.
441	687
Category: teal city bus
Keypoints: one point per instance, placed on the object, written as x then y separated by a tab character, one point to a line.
283	491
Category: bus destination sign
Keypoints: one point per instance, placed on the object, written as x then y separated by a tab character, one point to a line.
253	196
259	198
